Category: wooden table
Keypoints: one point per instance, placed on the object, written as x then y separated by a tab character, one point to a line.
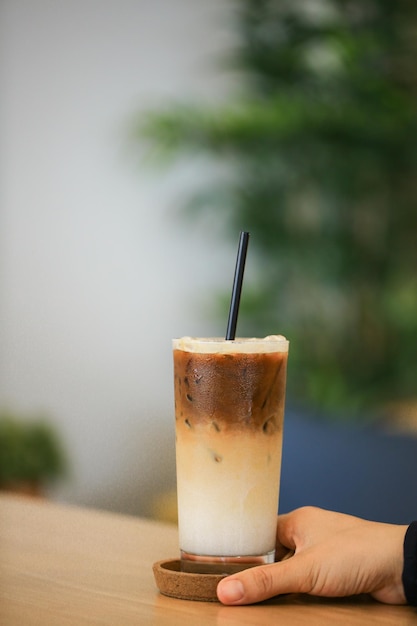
62	565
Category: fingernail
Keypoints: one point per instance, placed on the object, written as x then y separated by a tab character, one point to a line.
231	590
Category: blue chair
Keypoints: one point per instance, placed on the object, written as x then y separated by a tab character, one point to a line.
361	471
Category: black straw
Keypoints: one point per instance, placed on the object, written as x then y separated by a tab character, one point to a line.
237	285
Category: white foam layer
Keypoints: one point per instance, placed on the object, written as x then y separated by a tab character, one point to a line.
245	345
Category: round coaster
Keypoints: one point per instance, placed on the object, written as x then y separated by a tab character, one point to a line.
176	584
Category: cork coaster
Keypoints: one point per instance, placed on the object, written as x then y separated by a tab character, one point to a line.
176	584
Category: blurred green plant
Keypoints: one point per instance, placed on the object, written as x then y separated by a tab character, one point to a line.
317	158
31	454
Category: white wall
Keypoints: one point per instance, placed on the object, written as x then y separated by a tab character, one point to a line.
97	273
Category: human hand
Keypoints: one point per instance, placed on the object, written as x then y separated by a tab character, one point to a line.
335	555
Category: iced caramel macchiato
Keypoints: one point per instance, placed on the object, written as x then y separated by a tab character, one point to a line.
229	408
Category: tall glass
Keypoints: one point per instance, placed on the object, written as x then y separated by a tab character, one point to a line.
229	409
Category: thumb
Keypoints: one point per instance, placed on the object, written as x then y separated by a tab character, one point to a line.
259	583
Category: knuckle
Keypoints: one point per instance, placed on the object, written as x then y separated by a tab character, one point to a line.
263	581
310	580
308	510
303	518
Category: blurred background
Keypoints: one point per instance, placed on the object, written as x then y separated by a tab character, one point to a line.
97	272
138	139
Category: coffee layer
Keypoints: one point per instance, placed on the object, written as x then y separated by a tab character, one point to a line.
239	390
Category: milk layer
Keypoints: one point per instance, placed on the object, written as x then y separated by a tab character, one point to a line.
228	492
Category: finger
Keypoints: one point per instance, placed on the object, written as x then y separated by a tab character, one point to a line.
284	536
260	583
292	527
308	525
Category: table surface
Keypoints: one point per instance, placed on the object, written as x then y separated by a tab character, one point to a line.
63	565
